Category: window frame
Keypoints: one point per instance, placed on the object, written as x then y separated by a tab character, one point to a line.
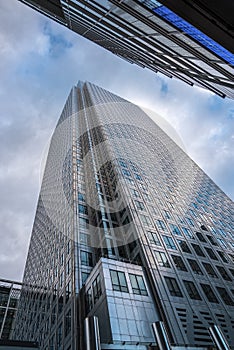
173	287
119	287
138	280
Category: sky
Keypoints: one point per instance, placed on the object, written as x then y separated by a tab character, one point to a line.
39	63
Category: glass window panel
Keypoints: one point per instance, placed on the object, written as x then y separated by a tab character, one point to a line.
192	290
225	296
184	246
173	287
209	269
162	259
195	266
209	293
119	282
169	242
138	284
179	263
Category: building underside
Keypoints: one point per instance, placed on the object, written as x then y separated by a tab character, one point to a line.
151	35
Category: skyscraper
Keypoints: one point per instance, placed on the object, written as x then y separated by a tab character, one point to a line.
128	229
151	35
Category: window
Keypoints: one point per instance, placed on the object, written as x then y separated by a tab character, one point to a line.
225	296
4	295
82	209
84	238
232	272
170	244
175	230
68	247
184	246
84	276
198	250
166	214
143	188
192	290
86	258
147	197
130	181
123	164
195	267
145	220
67	323
97	290
179	263
224	273
52	342
209	269
190	221
81	197
134	193
211	253
132	243
118	280
134	168
138	177
222	232
60	335
126	172
187	232
138	284
180	219
61	279
139	205
201	237
192	212
162	259
209	293
125	222
173	287
153	210
161	225
153	238
83	222
68	267
211	239
222	242
223	256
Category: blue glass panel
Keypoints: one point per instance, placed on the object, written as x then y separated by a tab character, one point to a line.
193	32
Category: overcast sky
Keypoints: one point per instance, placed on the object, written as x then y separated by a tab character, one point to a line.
40	61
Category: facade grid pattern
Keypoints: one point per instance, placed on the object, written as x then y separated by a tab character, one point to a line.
123	190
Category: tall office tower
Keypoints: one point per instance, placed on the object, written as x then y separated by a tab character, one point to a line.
128	229
151	35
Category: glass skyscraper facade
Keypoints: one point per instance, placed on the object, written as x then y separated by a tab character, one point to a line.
9	297
128	229
149	34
